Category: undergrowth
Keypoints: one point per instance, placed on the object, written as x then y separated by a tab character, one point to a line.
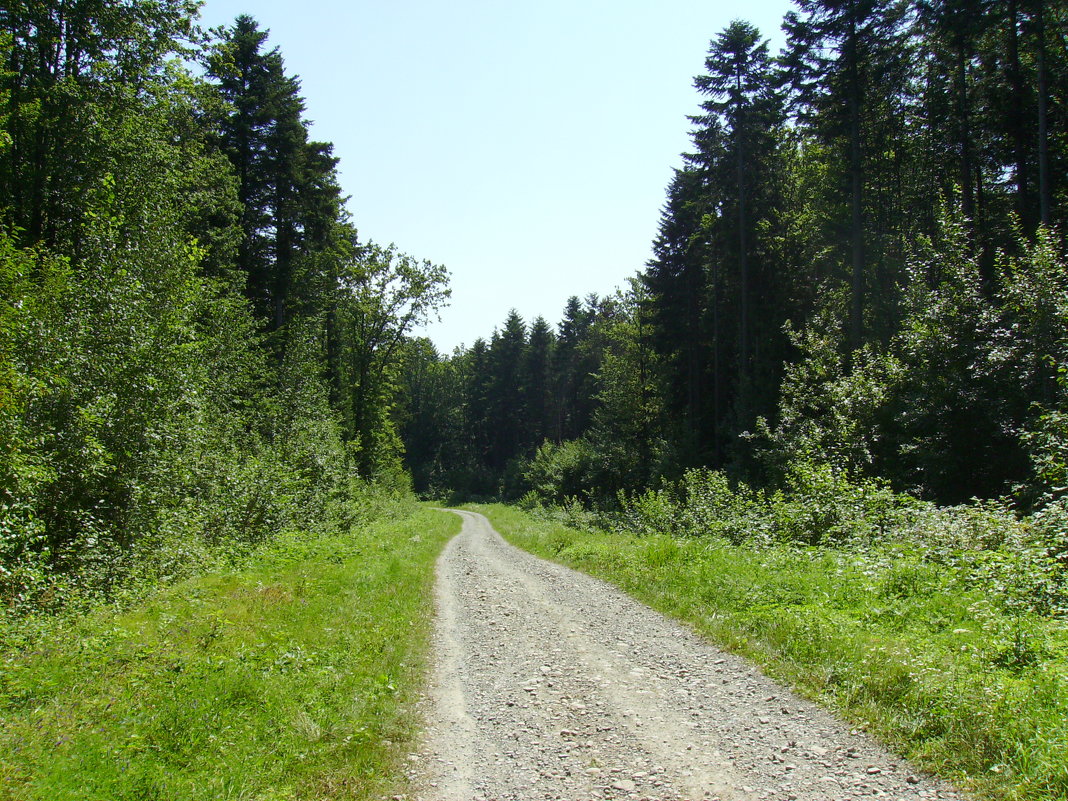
946	646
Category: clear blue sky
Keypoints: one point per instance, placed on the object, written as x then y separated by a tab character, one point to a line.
525	146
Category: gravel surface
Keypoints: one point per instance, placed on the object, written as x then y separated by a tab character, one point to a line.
549	684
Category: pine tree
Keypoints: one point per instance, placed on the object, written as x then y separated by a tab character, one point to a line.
846	63
293	217
742	101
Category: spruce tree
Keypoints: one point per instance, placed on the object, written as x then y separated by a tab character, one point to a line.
539	382
742	101
293	221
846	63
684	313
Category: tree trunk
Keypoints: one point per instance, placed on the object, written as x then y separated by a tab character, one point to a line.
964	137
857	188
1017	124
1045	191
743	268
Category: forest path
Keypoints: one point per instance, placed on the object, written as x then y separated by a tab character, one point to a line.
549	684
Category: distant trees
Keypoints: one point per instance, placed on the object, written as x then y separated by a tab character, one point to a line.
850	269
504	398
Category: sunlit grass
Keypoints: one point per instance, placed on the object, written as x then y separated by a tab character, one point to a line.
294	677
898	646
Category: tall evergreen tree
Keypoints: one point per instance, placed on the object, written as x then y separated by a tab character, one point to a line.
292	214
573	366
742	101
846	63
953	29
507	402
678	289
539	382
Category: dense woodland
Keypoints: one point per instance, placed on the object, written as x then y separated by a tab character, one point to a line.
197	350
859	268
859	278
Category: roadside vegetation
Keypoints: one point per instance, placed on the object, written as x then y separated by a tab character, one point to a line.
196	349
213	577
940	634
291	674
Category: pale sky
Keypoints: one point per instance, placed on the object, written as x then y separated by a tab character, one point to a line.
527	147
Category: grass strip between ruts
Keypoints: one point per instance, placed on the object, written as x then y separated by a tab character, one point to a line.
294	676
886	640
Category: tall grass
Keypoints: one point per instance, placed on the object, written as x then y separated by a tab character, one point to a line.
291	676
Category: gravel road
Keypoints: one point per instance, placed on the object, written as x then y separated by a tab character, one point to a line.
549	684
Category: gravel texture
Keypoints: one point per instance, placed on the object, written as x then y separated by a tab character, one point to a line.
550	684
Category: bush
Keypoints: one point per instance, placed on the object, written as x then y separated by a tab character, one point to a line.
560	471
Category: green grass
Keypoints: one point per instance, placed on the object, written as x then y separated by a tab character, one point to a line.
934	668
292	677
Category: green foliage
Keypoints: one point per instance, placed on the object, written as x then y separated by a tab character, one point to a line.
154	421
137	421
829	403
1022	563
558	472
67	85
381	297
948	408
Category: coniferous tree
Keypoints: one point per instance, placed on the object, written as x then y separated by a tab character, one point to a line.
742	101
679	296
901	316
846	63
573	366
539	382
507	402
953	29
293	220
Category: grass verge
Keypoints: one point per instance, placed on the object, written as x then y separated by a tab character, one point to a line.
291	677
933	669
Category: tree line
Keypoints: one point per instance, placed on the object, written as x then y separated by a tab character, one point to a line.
858	264
196	347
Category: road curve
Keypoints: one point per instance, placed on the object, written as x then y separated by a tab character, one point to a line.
549	684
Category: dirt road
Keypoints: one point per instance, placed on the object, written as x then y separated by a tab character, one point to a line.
552	685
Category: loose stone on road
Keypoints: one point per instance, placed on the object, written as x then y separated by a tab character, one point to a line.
549	684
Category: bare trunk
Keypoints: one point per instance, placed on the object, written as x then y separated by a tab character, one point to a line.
743	264
1017	125
1045	191
857	187
964	137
